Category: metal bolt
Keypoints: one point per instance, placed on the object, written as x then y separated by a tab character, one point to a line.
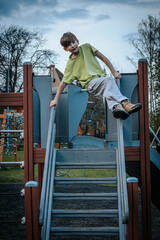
22	164
22	192
23	220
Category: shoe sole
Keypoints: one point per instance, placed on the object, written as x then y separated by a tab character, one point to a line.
136	108
118	113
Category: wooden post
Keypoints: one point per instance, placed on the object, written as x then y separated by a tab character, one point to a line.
28	122
28	146
32	217
132	227
144	149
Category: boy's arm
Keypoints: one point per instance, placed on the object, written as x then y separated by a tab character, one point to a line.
54	102
109	65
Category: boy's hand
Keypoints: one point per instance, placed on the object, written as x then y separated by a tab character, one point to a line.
117	75
53	103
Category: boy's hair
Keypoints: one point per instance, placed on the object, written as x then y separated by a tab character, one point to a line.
67	38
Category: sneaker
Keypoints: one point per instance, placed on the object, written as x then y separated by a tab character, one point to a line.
131	108
119	112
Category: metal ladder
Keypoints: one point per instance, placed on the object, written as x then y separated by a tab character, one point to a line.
85	159
51	212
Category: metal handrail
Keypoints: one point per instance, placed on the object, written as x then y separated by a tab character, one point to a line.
122	174
122	171
48	167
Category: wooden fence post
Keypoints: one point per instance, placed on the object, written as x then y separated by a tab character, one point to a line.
132	227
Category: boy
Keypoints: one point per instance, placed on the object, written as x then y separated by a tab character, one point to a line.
83	66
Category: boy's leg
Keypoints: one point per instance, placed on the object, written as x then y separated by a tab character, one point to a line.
106	87
112	93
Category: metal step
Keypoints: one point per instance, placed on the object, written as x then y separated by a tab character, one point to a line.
85	165
86	155
85	196
96	231
105	180
105	213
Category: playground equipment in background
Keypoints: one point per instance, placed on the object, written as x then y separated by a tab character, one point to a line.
135	138
3	125
11	131
155	138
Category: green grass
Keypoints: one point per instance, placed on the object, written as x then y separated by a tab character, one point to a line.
87	173
15	175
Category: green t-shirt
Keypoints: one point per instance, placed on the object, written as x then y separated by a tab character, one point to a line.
84	67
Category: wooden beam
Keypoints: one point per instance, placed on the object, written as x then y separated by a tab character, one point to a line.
11	99
39	155
132	154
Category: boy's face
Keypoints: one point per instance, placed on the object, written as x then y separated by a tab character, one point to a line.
73	47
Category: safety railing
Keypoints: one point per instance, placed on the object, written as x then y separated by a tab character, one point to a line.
122	182
48	179
122	173
155	136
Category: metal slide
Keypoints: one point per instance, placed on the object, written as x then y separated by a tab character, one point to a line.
74	205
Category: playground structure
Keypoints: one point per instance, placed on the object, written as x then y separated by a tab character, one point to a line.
11	129
3	124
136	142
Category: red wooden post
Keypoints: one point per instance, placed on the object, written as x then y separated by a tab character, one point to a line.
28	146
132	227
144	150
28	122
32	219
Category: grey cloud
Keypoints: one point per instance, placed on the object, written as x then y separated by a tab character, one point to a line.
73	13
152	4
102	17
136	3
42	17
7	6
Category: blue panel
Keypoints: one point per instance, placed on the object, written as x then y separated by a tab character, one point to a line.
43	86
36	117
62	130
77	103
71	107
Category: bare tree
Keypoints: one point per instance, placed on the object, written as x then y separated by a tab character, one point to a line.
16	46
147	45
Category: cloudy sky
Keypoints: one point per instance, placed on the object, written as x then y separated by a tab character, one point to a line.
106	24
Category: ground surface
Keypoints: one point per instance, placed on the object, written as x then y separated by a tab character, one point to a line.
12	210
